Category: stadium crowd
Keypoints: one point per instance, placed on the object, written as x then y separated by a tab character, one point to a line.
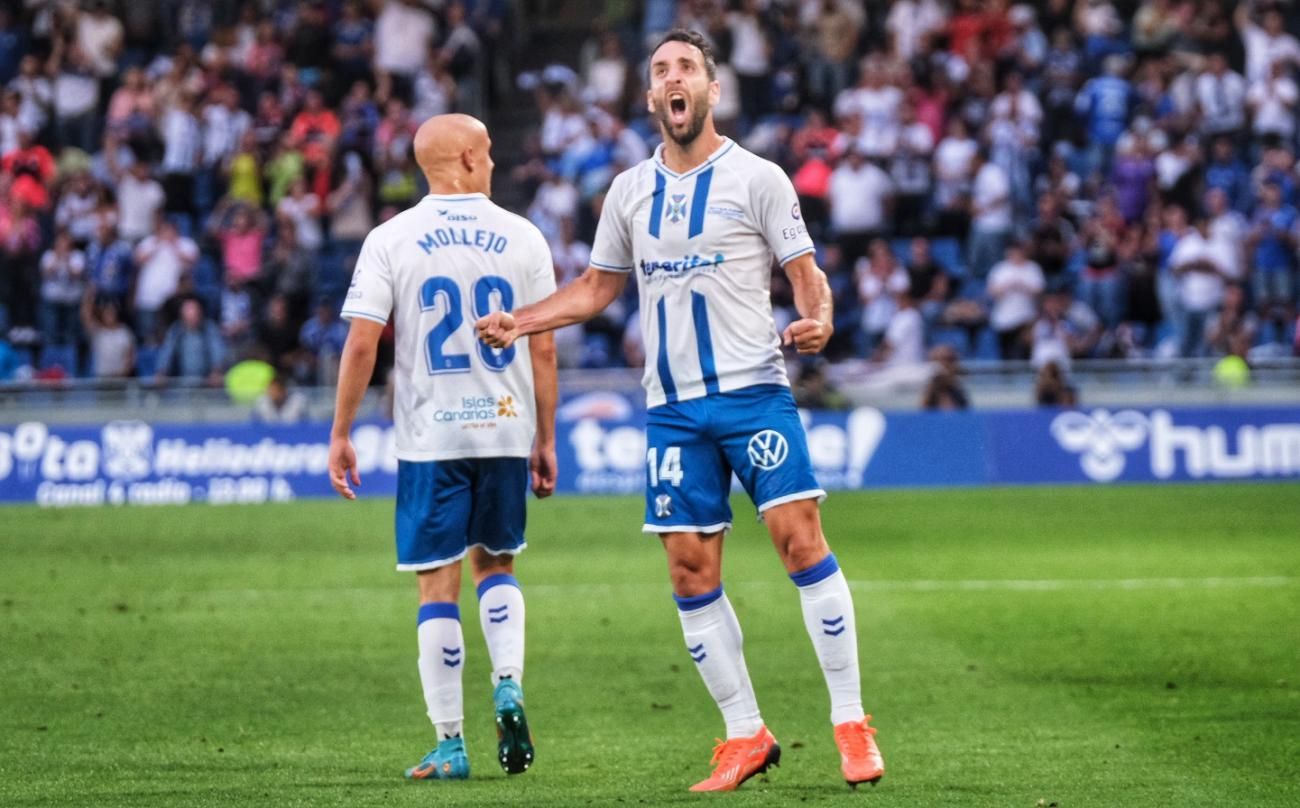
187	183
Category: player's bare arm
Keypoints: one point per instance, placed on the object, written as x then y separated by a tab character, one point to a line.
812	298
542	463
576	303
355	369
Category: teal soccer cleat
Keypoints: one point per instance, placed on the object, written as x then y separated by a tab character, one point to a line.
514	742
447	762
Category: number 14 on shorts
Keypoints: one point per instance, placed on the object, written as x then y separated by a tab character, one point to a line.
670	470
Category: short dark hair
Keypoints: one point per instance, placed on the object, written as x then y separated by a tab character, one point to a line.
691	38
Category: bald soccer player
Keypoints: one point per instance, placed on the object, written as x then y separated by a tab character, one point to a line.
472	422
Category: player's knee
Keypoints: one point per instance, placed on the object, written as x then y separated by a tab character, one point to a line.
485	564
692	574
801	545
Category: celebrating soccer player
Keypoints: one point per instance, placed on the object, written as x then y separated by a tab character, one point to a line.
472	421
699	224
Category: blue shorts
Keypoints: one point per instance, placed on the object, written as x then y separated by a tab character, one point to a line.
444	507
692	448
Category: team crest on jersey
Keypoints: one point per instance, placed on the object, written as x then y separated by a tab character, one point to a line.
677	208
663	506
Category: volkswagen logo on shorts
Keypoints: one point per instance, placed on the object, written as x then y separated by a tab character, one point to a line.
768	449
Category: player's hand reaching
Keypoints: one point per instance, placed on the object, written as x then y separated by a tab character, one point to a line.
808	336
544	467
497	329
343	463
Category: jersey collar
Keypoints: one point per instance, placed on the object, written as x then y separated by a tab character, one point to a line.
455	197
727	143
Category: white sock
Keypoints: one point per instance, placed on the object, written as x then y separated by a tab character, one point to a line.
714	641
828	616
501	614
442	657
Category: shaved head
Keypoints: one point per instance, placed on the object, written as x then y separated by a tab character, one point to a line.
452	151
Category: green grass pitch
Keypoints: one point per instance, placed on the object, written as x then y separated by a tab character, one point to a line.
1079	646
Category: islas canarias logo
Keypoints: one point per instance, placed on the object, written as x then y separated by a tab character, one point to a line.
478	410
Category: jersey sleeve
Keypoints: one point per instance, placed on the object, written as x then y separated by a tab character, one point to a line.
371	294
776	206
612	250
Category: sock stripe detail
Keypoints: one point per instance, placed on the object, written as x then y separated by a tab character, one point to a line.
817	573
434	611
693	602
501	579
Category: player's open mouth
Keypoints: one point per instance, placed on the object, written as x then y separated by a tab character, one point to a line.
677	108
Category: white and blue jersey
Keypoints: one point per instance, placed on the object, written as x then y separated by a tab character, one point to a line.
465	414
701	245
436	268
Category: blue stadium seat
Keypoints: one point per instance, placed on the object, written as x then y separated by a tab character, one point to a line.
947	251
986	345
146	361
64	356
901	248
184	224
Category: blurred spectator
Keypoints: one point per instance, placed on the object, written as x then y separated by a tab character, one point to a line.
990	214
1221	98
109	265
1271	243
1066	329
20	244
32	168
404	31
880	280
301	210
1272	103
63	284
139	199
813	391
1233	328
161	260
192	348
182	151
241	231
945	391
928	281
78	208
1014	284
860	199
1053	389
280	404
112	344
904	339
278	335
1198	263
1266	41
322	339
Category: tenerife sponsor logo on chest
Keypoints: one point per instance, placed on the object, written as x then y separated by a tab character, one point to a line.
661	271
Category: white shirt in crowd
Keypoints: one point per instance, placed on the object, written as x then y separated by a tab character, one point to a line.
952	168
876	294
1014	287
857	197
78	213
63	278
1197	290
98	36
1028	110
991	196
1273	102
138	202
403	34
1222	101
182	142
605	80
1229	229
909	20
161	263
111	350
1262	50
905	337
749	48
223	128
304	213
75	94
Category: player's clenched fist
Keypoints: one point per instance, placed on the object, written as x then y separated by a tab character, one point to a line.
497	329
808	336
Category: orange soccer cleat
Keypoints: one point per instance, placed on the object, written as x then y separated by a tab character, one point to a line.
860	758
738	759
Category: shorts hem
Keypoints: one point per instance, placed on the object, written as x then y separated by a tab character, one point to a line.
425	566
714	528
811	493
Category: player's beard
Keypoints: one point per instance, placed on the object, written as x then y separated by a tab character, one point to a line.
699	107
